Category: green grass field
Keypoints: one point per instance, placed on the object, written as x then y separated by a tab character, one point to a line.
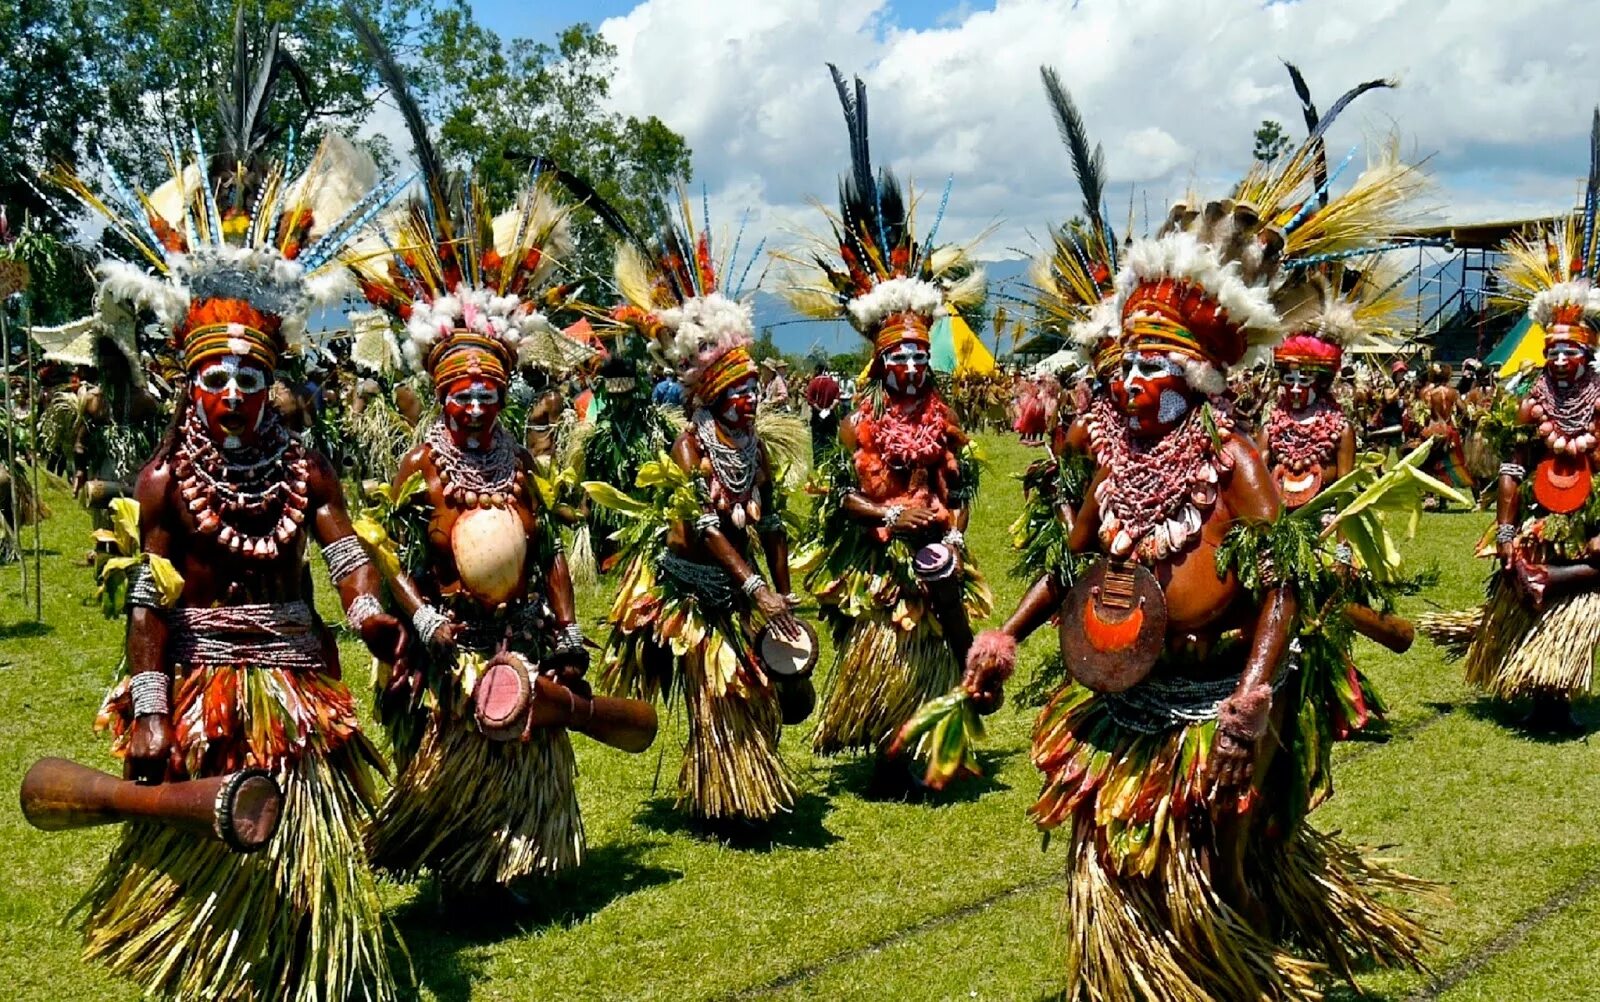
860	899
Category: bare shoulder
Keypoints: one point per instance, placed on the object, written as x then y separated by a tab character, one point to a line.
1248	486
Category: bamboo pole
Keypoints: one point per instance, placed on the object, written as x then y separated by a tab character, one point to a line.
33	432
15	526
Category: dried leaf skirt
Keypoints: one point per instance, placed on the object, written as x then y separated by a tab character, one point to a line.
477	811
1519	653
185	917
663	642
892	657
1174	898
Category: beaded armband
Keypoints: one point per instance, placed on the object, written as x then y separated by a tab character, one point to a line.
345	556
142	590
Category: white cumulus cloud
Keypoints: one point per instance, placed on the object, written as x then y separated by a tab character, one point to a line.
1495	93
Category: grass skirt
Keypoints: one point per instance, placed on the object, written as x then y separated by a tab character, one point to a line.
1172	896
478	811
1518	653
185	917
663	641
885	672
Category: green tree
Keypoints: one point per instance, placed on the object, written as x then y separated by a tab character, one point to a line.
1271	141
49	49
504	103
764	346
171	59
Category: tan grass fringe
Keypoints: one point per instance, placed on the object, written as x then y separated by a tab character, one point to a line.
1519	654
1452	631
185	917
1172	936
478	811
731	768
884	675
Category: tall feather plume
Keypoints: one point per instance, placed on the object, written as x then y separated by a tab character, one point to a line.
1591	196
1088	166
1317	125
394	78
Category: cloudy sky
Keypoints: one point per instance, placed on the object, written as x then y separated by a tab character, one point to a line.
1496	93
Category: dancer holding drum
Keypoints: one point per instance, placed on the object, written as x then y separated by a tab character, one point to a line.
888	564
1182	762
482	806
228	665
692	608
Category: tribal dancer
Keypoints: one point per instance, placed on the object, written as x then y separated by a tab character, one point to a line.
465	289
889	565
1308	441
1541	624
1183	761
691	602
228	665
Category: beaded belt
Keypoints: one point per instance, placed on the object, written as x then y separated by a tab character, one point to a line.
707	582
266	635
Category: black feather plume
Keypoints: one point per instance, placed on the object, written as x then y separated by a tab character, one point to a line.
1308	110
585	193
237	166
394	78
1344	102
1088	166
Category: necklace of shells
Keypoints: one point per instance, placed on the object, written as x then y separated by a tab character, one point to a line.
475	478
263	484
1155	493
1300	443
1566	415
733	469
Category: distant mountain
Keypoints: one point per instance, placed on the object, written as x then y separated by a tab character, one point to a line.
798	335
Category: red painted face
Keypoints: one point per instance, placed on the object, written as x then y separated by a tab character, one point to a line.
905	368
1565	361
1299	388
1152	393
231	394
472	405
737	406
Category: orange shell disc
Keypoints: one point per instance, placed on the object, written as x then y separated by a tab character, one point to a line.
1561	483
1298	488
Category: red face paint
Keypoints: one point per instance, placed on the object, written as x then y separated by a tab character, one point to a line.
1153	393
472	405
905	368
231	394
737	407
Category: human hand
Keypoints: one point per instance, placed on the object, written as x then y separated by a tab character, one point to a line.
778	612
149	747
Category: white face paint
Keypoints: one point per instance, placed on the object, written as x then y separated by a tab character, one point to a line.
905	367
1153	382
1566	361
739	402
229	380
472	408
1299	387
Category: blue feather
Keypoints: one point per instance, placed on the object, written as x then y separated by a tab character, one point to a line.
933	231
132	210
214	220
733	256
1312	203
748	265
338	235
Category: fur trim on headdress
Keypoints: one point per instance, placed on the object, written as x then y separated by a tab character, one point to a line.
895	295
1566	304
703	329
1183	257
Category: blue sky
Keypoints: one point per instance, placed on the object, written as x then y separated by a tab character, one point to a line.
522	19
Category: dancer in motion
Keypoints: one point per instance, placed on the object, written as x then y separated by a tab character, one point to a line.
889	564
228	665
465	288
1541	623
692	605
1185	756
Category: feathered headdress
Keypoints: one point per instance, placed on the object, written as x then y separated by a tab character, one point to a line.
1074	281
237	250
1553	272
889	285
675	293
1222	280
465	285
